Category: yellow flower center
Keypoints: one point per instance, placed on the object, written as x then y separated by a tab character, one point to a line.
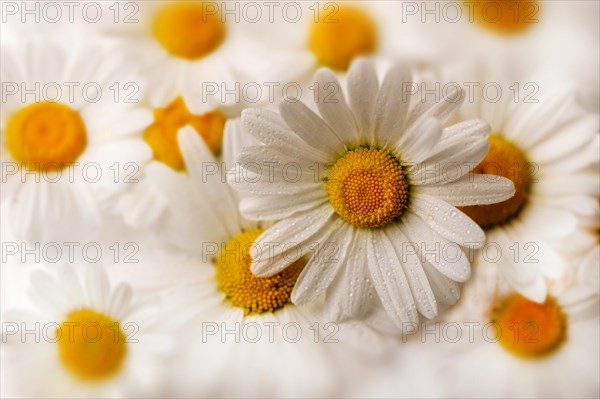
91	345
161	135
505	16
367	187
342	34
189	30
506	160
46	134
244	289
530	329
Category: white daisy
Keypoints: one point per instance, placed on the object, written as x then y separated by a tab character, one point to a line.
65	139
92	339
146	204
546	148
372	183
558	35
183	46
515	347
332	34
221	292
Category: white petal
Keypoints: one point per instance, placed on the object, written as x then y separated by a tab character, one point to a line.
353	286
269	128
446	290
391	106
363	87
235	138
285	236
447	221
389	279
416	143
445	256
333	107
311	128
409	258
471	189
320	272
203	170
276	207
442	110
460	149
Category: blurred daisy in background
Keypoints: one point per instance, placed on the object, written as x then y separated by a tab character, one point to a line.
546	145
146	204
332	34
517	347
65	136
560	37
186	46
91	338
370	183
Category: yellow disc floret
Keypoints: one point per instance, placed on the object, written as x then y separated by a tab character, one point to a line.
161	135
340	34
189	30
506	160
530	329
505	16
367	187
46	133
91	345
244	289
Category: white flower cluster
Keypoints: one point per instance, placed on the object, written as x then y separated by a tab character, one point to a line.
282	198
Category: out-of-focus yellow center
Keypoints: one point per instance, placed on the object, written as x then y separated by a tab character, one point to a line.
505	16
506	160
367	187
44	134
189	30
342	34
244	289
91	345
161	135
530	329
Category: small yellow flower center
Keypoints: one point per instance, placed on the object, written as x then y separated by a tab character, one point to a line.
161	135
505	16
341	34
46	134
189	30
244	289
530	329
367	187
506	160
91	345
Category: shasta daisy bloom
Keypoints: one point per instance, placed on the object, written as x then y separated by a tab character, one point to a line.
92	338
547	149
146	204
333	34
221	294
379	196
513	346
197	50
64	136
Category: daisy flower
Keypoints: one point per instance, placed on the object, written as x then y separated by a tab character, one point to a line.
332	34
371	184
560	35
64	137
221	294
146	204
518	347
546	148
91	338
183	46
